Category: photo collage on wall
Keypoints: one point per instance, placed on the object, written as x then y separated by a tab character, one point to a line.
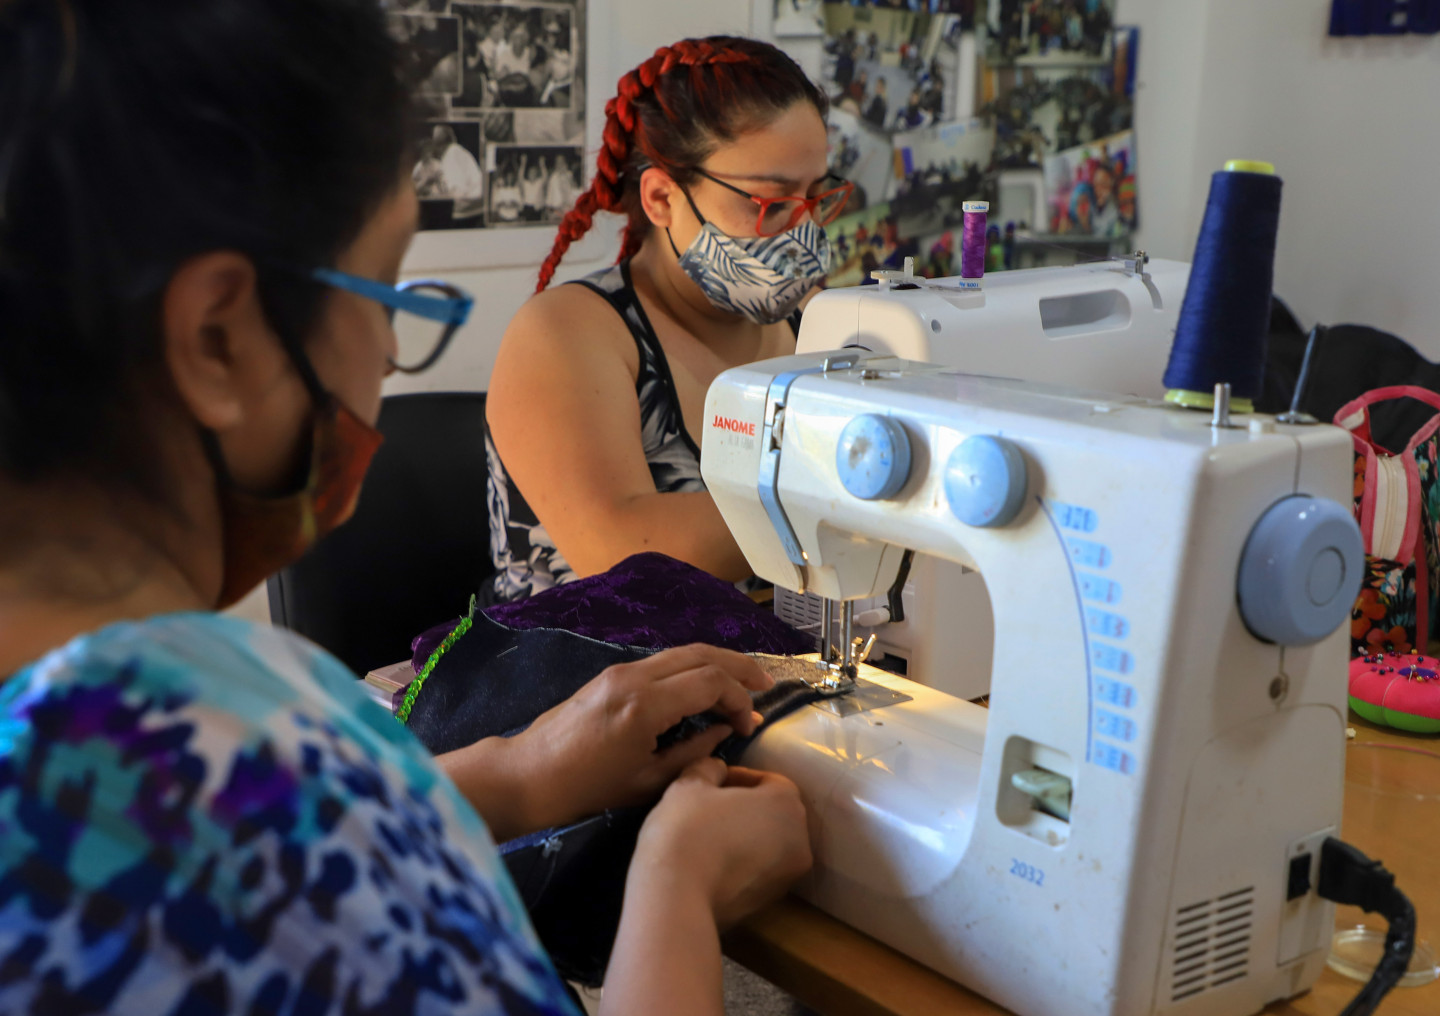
1026	104
1058	84
504	145
896	75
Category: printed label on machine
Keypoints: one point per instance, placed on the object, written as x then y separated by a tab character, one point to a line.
1101	658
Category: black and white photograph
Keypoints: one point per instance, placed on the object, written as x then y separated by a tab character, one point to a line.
517	56
532	184
433	41
798	19
499	77
447	175
497	126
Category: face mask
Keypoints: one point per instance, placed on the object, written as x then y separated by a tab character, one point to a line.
264	534
762	277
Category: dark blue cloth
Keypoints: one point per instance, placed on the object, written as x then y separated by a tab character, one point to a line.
572	879
520	659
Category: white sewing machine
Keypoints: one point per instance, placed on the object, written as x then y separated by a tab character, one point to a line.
1132	827
1106	326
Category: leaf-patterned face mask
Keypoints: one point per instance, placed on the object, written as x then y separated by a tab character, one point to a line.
762	278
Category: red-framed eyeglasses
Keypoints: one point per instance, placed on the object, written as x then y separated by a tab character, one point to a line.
779	214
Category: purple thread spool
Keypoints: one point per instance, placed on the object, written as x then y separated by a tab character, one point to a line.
972	240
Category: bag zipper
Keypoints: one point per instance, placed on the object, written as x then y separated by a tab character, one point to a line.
1392	497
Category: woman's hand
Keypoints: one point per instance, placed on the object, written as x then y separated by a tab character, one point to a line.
596	750
736	835
720	845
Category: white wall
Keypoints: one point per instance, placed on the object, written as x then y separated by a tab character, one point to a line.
1350	124
1168	91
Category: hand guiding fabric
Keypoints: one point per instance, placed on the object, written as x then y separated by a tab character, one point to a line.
598	749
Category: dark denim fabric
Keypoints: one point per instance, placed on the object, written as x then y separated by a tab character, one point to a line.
498	677
573	879
573	883
495	680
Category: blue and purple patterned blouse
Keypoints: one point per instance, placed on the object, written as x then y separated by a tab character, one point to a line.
199	816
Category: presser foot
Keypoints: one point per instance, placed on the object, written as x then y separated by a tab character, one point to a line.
860	696
842	694
847	692
834	675
840	664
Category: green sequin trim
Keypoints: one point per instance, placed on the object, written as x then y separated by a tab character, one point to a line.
403	713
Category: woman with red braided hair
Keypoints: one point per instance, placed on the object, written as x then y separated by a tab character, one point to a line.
715	152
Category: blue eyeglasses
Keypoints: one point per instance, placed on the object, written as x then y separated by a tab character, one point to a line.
429	300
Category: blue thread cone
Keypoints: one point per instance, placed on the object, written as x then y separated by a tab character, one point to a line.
1224	321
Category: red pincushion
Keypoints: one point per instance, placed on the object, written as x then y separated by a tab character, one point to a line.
1397	690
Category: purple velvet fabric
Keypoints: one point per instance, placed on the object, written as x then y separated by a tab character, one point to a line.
649	601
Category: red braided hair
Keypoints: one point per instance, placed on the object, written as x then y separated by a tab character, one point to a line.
673	120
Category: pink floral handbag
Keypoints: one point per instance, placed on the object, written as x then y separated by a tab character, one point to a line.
1397	503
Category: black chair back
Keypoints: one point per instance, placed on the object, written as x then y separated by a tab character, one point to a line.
417	547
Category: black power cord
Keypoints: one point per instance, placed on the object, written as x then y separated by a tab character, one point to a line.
1348	876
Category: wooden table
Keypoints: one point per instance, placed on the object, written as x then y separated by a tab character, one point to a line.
840	972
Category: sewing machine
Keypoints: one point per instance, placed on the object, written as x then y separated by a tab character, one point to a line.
1132	827
1106	325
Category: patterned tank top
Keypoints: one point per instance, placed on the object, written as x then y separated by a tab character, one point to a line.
525	557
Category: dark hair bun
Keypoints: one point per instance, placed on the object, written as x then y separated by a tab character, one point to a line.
136	135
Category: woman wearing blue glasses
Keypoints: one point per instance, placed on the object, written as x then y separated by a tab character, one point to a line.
203	211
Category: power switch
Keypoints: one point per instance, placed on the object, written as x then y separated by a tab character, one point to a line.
1306	920
1298	883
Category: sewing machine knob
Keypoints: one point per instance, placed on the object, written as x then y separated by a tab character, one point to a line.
1300	571
985	481
873	457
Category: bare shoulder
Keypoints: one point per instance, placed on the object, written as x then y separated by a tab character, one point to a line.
574	324
566	339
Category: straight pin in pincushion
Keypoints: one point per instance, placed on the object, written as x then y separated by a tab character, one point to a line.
1220	336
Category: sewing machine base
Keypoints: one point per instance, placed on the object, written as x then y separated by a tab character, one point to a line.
893	794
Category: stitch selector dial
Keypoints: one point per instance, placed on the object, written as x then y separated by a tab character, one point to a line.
985	480
873	457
